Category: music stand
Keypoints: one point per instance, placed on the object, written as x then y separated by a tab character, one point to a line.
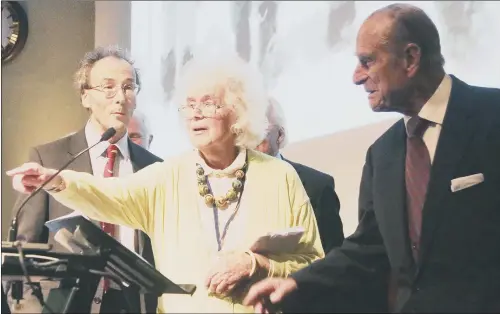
131	269
64	266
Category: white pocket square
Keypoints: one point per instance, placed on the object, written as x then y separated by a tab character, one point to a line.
466	182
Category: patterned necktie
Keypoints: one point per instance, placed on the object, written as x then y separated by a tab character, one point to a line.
111	153
417	173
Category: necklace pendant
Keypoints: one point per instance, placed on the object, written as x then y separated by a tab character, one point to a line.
240	174
231	195
237	185
203	189
199	170
221	202
209	199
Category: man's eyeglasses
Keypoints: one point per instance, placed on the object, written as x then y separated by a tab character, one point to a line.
207	109
110	90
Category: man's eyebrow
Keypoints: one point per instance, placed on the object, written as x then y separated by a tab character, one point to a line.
366	56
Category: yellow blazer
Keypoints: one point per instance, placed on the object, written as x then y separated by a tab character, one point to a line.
162	200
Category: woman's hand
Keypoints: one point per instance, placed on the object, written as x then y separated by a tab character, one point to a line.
29	176
227	271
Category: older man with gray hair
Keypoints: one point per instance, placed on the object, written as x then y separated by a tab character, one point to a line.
139	130
320	187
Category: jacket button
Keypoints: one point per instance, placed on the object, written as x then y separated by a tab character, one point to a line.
97	300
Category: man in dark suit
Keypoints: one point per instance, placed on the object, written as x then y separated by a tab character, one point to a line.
319	186
429	205
108	83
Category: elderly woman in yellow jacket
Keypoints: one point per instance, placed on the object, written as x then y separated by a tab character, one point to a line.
204	209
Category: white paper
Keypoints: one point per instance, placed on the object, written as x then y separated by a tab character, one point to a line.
74	213
278	242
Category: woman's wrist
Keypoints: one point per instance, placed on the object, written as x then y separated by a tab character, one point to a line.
253	267
263	265
55	185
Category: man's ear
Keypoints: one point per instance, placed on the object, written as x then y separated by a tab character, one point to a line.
413	55
85	99
281	136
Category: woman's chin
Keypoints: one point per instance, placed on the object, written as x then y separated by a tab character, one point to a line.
201	143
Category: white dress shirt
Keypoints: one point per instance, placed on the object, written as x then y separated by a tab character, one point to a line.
122	167
434	111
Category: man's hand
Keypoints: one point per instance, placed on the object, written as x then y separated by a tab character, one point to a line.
29	176
273	288
227	271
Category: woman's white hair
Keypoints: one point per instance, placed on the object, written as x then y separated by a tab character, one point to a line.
242	87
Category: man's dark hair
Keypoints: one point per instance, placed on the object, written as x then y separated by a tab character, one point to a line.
91	57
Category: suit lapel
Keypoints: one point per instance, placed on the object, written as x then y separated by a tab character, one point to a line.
390	198
458	127
137	157
77	143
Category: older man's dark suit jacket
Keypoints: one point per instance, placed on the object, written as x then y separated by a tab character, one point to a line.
43	207
458	269
320	187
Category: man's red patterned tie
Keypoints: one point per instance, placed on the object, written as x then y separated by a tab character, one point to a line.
111	153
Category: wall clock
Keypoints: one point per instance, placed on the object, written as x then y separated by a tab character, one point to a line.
14	29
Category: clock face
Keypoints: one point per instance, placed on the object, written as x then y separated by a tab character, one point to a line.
14	29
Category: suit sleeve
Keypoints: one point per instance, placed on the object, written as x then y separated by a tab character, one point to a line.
361	262
34	214
330	224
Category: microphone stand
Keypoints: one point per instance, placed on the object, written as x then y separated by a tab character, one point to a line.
13	226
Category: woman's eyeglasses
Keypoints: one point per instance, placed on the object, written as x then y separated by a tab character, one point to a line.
206	108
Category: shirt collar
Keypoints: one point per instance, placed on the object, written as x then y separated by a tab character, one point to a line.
435	108
279	156
238	163
93	136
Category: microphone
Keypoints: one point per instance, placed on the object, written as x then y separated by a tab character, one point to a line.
109	133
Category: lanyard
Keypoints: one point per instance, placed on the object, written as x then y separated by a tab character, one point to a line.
220	238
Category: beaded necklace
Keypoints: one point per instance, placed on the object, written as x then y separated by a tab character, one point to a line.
222	202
